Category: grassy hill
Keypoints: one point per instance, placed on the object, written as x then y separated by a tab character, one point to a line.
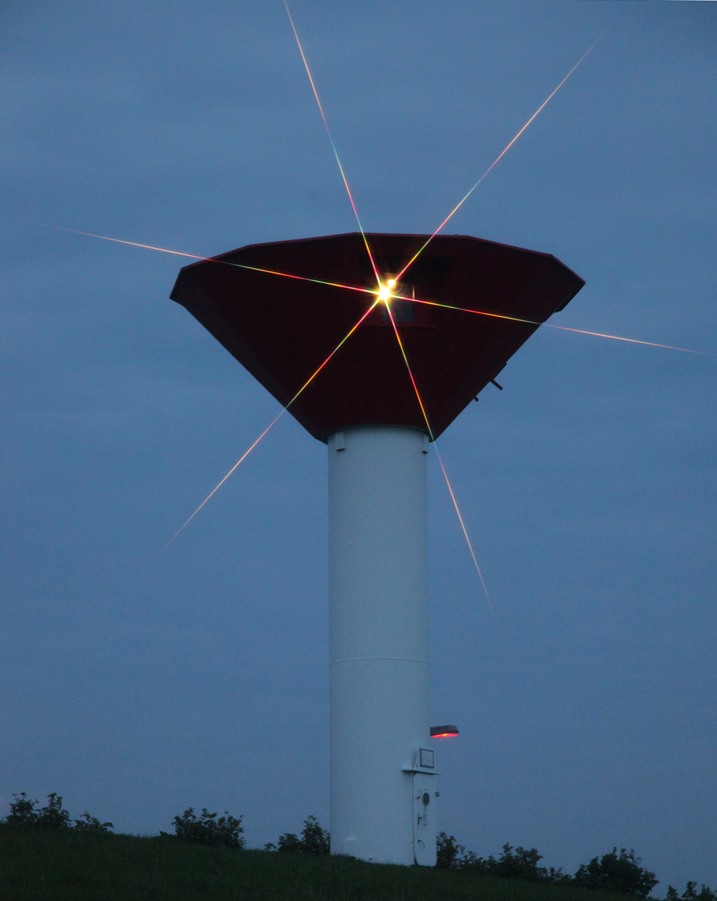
66	865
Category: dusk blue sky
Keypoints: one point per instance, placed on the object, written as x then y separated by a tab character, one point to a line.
139	680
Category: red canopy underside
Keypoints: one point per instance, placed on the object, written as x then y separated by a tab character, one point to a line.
283	329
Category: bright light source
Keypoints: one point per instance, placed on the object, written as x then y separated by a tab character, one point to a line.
385	289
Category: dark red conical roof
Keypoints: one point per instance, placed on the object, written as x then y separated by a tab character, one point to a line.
282	329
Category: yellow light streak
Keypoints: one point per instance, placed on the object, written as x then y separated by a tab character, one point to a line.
331	140
582	331
396	332
271	425
226	477
384	293
500	156
194	256
560	328
176	253
462	524
451	492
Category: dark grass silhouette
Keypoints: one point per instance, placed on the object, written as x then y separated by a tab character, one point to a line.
39	863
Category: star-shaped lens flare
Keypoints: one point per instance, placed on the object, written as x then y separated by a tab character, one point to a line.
386	289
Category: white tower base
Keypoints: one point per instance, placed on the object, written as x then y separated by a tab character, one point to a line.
379	646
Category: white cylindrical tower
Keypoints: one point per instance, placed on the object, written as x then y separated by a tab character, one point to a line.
378	637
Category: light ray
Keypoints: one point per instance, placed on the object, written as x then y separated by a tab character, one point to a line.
331	140
383	292
271	425
451	492
560	328
424	412
194	256
176	253
464	529
224	479
500	156
582	331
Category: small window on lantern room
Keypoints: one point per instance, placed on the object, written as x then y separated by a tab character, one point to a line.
402	311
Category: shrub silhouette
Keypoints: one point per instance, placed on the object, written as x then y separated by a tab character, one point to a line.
207	829
52	816
513	863
691	894
23	812
314	840
618	872
449	854
87	823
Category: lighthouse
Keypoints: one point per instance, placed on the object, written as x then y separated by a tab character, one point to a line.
375	354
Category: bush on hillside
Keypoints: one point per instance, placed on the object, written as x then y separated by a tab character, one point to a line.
513	863
87	823
618	872
314	840
449	854
24	812
691	894
207	829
